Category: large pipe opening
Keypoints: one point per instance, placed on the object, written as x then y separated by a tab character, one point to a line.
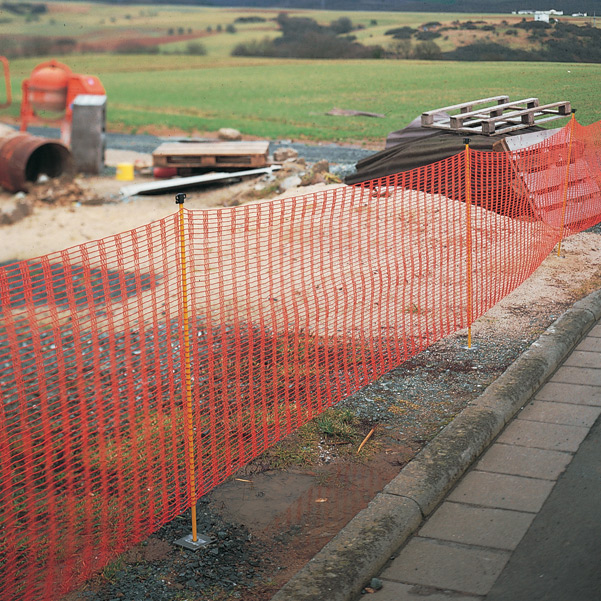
51	159
23	158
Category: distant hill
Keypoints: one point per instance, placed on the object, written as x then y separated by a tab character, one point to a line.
472	6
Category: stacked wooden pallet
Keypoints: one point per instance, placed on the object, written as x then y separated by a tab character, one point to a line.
211	155
494	115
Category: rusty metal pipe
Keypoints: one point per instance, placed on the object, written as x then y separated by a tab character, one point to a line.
23	158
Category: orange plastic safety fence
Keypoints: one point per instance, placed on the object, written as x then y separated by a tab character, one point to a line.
291	306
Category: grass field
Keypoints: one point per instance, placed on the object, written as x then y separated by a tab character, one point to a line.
274	98
290	99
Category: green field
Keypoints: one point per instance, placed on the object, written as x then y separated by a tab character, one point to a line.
275	98
290	99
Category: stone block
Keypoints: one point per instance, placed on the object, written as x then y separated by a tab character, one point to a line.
543	436
578	375
583	358
575	394
560	413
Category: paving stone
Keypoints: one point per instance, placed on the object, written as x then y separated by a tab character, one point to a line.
396	591
560	413
502	490
556	437
558	558
524	461
577	394
447	566
582	358
590	344
596	331
483	526
578	375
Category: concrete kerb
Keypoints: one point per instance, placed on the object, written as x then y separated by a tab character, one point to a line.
361	549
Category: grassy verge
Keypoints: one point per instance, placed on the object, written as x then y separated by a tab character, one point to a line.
338	432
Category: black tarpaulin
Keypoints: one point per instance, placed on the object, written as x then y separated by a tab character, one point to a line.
416	146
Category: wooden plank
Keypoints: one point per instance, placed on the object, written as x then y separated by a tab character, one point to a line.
574	214
512	143
545	189
527	117
211	161
502	125
553	178
211	148
493	120
578	192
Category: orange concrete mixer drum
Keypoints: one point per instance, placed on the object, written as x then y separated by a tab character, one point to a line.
48	88
51	88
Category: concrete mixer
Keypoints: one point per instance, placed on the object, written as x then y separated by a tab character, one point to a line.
51	89
23	157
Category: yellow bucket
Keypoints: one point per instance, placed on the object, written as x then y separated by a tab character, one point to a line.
125	172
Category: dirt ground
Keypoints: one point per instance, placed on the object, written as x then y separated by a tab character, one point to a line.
92	207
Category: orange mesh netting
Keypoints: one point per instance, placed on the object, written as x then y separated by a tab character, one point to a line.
133	383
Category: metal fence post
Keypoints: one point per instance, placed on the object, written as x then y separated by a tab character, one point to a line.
567	184
192	541
468	216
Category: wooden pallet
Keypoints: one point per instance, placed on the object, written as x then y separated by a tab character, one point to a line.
212	155
498	116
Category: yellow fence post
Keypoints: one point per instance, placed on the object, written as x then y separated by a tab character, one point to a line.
468	226
192	541
567	184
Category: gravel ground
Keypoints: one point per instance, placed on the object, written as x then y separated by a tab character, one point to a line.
158	571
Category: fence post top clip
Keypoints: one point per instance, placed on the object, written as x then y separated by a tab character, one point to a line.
466	141
179	198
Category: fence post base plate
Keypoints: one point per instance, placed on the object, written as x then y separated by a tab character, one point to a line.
202	541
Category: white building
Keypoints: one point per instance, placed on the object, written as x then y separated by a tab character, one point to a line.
541	15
